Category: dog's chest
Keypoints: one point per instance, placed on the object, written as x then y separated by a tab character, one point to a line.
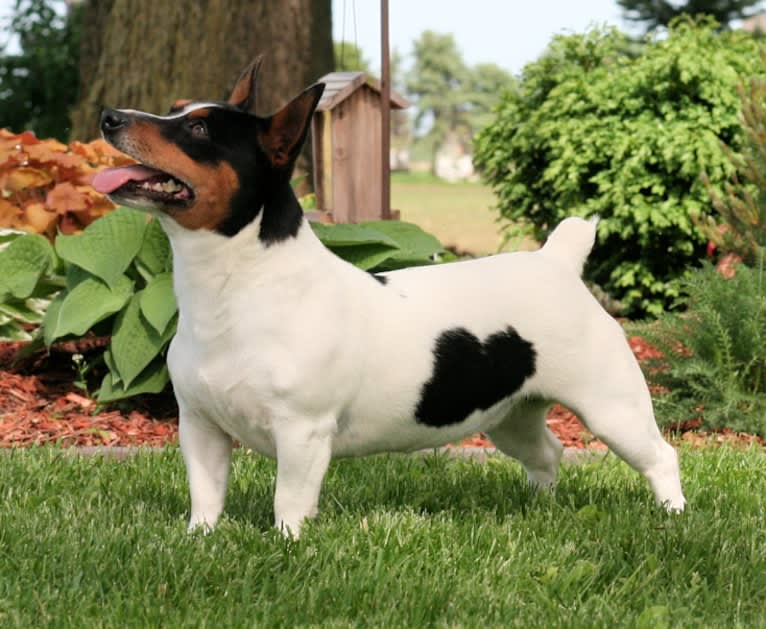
229	383
229	361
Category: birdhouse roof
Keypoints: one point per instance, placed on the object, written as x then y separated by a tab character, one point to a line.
340	85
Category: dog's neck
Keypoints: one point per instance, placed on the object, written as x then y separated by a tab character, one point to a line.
208	266
275	207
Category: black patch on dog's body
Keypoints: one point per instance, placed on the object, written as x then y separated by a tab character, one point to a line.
382	279
469	375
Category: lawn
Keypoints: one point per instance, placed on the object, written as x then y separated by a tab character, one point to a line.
460	215
401	542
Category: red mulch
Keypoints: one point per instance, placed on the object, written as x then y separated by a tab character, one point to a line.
39	403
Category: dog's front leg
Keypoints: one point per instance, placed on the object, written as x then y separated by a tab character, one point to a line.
304	449
207	454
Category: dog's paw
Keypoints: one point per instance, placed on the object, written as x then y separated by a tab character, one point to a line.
200	525
289	529
674	505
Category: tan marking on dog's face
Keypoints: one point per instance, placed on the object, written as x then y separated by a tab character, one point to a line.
179	104
214	185
202	112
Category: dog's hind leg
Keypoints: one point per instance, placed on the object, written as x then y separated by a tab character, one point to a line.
525	436
613	401
304	449
207	454
629	429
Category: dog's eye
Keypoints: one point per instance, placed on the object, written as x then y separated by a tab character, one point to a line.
198	129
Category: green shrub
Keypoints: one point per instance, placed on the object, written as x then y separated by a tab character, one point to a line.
601	125
117	280
739	226
38	84
714	363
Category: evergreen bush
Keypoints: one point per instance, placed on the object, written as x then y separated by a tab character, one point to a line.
602	125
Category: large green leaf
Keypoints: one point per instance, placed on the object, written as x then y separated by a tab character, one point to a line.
107	246
135	343
22	263
415	245
50	318
346	235
9	235
158	302
362	246
155	250
75	275
367	256
152	379
89	302
24	311
109	361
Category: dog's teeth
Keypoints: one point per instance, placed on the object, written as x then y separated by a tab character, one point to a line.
171	185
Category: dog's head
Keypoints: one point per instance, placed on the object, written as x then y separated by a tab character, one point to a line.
207	164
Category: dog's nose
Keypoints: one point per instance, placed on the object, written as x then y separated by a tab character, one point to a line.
112	120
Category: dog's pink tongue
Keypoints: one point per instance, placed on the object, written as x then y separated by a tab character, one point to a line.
110	179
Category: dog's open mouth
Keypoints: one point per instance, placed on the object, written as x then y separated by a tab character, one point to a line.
143	186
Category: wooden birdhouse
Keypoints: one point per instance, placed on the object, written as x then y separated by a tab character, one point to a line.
346	128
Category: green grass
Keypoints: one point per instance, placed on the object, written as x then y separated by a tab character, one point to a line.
459	214
400	542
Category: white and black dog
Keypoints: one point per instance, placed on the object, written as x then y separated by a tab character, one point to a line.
303	357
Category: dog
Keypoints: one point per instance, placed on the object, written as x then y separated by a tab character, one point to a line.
301	356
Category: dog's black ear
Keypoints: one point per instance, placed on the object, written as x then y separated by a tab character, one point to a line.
281	135
243	94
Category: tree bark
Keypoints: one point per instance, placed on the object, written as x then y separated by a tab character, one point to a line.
144	54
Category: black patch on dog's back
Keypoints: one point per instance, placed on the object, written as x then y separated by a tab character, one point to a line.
382	279
469	375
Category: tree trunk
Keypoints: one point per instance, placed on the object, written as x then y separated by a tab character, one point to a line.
144	54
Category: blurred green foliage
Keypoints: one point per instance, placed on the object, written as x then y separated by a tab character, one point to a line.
39	82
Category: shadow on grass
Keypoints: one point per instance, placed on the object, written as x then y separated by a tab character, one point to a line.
436	485
433	484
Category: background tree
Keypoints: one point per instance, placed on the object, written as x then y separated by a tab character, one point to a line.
438	81
144	54
38	85
350	58
456	99
656	13
486	84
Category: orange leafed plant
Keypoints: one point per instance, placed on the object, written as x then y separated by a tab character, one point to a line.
45	185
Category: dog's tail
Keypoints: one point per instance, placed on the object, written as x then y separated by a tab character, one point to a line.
571	242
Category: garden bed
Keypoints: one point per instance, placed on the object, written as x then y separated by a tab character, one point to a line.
40	403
